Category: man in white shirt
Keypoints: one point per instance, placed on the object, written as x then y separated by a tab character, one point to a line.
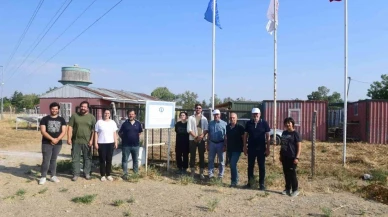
197	125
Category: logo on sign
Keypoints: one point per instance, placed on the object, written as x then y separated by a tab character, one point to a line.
161	109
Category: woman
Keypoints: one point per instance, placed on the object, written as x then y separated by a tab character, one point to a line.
105	143
289	156
182	144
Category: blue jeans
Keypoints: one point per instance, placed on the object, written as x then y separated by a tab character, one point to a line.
130	150
233	159
216	149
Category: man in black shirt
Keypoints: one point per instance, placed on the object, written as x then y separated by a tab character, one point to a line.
53	128
234	139
257	133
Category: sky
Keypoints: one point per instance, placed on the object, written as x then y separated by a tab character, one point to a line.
141	45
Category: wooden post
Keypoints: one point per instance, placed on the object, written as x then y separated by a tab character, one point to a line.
314	135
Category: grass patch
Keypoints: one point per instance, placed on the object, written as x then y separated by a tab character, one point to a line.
64	166
185	180
63	190
380	176
327	212
216	182
127	213
133	178
153	173
212	204
87	199
131	200
118	202
9	197
116	167
43	191
34	173
21	192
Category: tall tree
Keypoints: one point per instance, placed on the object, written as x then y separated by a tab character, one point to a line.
204	104
379	89
217	100
323	94
187	99
163	93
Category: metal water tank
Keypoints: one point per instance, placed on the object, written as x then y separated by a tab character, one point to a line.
75	75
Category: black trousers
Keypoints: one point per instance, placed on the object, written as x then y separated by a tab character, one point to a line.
201	152
260	156
105	153
289	170
182	155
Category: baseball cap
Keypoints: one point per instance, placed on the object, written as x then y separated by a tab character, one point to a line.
255	110
216	112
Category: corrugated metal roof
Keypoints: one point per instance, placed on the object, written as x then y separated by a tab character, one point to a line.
75	91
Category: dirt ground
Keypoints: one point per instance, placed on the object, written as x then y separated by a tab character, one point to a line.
334	191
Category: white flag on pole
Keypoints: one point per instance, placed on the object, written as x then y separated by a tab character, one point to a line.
271	16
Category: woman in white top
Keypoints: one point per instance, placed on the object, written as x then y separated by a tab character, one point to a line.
105	143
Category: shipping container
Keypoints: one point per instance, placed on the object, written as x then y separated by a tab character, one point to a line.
302	113
241	108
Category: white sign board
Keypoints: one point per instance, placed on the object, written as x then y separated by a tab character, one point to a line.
159	114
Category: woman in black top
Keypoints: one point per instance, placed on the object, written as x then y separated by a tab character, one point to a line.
289	156
182	144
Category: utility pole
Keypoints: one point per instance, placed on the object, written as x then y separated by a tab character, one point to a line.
2	86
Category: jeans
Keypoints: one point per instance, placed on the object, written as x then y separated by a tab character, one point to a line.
50	154
233	158
182	155
105	153
76	158
260	156
289	170
134	152
201	152
216	149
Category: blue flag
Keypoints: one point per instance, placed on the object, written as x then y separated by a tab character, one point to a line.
209	14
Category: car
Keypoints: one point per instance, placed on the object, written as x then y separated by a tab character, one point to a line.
279	132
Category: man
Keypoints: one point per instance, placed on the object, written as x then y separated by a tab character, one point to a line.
257	133
197	128
234	138
80	135
216	143
53	128
130	132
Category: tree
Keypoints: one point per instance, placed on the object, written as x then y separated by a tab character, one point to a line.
17	99
163	93
204	104
187	99
30	100
217	100
379	89
323	94
227	99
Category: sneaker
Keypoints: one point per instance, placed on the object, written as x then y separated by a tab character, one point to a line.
247	186
295	193
202	176
54	179
87	177
74	178
103	179
110	178
233	186
125	177
42	181
262	188
286	192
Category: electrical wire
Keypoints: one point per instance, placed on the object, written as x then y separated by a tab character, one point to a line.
23	34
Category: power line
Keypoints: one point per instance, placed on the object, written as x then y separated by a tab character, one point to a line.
76	37
40	39
365	82
87	8
24	33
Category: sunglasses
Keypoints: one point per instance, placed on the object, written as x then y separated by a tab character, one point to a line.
198	108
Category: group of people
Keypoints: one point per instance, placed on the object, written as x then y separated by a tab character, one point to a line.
83	132
192	133
217	137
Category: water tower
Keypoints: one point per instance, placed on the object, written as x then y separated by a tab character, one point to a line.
75	75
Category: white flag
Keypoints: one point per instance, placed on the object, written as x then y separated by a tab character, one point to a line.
271	16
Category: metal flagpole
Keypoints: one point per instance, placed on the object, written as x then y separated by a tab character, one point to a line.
275	48
345	80
213	52
2	87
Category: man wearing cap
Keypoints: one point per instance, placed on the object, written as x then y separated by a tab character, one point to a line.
257	133
216	143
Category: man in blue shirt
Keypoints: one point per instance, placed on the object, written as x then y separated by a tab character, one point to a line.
130	132
257	133
216	143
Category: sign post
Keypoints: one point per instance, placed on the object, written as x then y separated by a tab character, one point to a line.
159	115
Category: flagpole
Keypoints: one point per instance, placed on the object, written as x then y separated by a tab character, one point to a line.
275	48
345	79
213	53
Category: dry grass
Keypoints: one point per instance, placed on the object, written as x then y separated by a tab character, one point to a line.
9	136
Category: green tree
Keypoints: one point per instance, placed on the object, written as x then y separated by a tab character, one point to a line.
323	94
30	101
17	100
227	99
187	99
204	104
217	100
163	93
379	89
